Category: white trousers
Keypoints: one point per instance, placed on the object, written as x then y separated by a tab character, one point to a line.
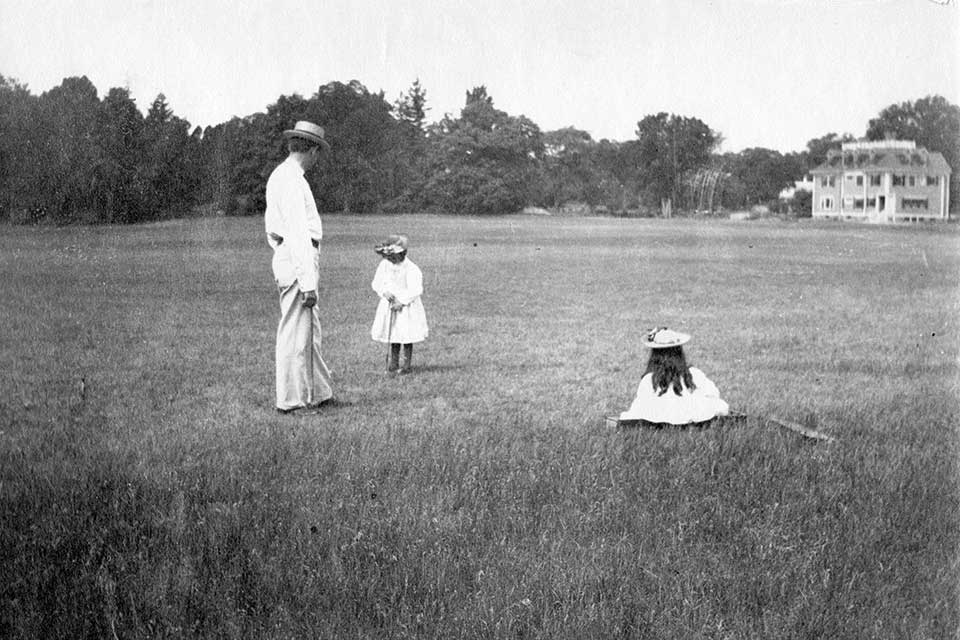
303	378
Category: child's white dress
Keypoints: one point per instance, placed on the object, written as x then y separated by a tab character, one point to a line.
405	282
698	405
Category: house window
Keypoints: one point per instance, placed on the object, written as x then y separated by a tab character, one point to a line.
858	203
826	203
898	181
914	204
911	181
847	203
859	181
833	181
871	203
876	180
823	181
933	181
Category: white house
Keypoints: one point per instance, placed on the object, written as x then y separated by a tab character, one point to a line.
883	181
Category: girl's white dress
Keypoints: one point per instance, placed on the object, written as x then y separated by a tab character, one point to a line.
698	405
405	282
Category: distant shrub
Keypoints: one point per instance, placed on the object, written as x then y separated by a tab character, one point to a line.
242	205
802	203
34	214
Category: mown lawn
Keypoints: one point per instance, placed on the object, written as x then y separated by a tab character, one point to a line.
148	489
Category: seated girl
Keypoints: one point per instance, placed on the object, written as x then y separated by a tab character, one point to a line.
672	392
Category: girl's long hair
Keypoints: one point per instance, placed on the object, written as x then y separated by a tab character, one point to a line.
670	370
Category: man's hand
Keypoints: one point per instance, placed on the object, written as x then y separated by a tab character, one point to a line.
309	298
390	297
395	306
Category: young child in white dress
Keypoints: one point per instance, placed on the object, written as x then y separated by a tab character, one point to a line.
670	391
400	320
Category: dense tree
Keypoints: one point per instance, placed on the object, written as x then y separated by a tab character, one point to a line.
19	164
485	161
667	147
119	136
66	156
817	148
408	160
733	192
932	122
570	172
102	161
239	155
616	164
164	173
764	173
356	175
66	146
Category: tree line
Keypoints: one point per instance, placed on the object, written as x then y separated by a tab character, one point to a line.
69	156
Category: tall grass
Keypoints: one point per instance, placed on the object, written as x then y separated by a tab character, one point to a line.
483	496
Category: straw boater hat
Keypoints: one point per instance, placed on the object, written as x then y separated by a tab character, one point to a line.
661	338
392	246
307	131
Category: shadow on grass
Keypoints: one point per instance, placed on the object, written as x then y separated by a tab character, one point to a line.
437	368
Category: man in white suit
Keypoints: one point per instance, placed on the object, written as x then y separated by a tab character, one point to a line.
294	231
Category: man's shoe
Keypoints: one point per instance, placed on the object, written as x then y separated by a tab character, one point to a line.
315	408
308	410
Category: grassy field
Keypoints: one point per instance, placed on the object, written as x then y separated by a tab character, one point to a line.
149	490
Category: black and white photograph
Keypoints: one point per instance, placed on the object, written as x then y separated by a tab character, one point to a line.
480	320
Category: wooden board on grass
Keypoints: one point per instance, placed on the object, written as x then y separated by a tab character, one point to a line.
617	423
733	418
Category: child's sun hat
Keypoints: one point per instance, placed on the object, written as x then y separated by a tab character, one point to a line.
661	338
392	246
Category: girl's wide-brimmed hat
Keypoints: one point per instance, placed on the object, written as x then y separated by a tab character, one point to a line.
661	338
392	246
308	131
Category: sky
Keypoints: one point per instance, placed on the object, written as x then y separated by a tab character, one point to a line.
761	73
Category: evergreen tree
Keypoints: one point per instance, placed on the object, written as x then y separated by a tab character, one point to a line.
408	151
119	136
164	178
412	106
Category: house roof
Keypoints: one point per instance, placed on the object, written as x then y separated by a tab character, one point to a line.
884	159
